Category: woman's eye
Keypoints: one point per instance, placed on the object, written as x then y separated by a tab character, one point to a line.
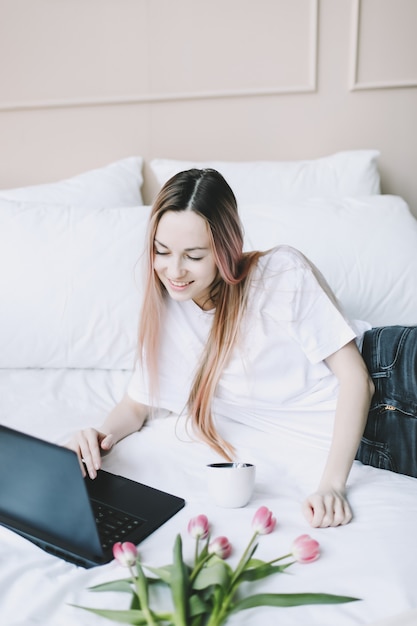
187	256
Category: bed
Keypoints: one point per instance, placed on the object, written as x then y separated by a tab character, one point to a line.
70	287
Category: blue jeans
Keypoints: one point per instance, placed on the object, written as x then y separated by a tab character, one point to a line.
390	437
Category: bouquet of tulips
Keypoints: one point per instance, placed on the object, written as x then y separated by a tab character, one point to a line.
206	592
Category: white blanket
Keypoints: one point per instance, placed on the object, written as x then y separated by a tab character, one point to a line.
373	558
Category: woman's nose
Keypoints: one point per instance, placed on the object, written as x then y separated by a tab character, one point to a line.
176	267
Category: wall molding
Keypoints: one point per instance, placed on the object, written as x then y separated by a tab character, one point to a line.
355	84
309	87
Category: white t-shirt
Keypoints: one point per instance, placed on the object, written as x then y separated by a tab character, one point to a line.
276	377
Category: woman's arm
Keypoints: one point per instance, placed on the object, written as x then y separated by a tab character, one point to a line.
328	505
125	418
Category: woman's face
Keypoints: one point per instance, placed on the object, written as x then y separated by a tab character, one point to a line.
183	257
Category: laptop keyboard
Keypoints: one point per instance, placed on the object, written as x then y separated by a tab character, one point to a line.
113	525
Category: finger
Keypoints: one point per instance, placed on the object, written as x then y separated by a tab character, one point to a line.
333	507
348	514
73	445
90	452
342	513
324	511
84	473
308	511
319	513
107	442
341	509
80	461
339	512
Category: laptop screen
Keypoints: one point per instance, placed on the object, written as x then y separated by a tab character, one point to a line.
43	494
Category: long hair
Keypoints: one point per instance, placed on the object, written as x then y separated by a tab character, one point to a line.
208	194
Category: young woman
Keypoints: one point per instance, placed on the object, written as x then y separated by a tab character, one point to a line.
255	336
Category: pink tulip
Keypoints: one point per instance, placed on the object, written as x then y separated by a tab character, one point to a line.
198	527
125	553
221	547
263	522
305	549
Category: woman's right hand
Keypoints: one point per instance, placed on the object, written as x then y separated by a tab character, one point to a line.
88	445
125	418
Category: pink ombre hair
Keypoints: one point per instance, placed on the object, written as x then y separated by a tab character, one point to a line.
206	193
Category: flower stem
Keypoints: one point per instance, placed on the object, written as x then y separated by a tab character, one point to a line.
199	566
196	551
280	558
141	585
221	607
243	560
132	573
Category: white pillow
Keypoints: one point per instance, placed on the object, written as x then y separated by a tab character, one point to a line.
365	247
117	184
350	173
69	285
71	291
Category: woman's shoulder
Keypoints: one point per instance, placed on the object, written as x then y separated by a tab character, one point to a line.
280	275
282	268
283	257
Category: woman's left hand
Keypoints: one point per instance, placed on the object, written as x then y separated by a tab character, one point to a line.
328	505
327	508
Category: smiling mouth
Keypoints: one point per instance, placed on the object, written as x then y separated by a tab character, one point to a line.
179	284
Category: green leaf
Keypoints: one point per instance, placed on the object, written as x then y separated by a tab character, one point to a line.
124	617
164	573
179	585
142	587
134	604
261	571
114	585
289	599
198	606
255	563
218	573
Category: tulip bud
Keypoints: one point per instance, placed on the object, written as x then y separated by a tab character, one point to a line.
125	553
263	521
198	527
221	547
305	549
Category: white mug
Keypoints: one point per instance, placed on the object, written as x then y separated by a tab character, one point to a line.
230	485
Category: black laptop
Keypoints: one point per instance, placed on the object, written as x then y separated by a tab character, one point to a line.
44	497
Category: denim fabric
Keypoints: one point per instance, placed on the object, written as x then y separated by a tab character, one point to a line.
390	437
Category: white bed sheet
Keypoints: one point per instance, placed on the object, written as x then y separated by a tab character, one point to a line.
374	557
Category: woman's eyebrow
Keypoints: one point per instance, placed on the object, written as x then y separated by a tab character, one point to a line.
185	249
